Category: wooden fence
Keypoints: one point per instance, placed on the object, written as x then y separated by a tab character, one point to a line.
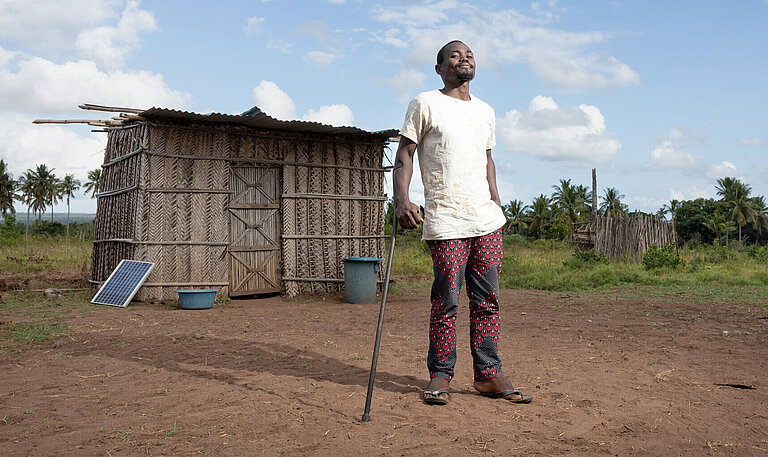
625	237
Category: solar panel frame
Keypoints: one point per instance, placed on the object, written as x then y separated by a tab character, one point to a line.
121	286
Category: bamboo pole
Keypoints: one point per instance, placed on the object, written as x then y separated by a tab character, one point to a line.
266	161
334	197
332	237
109	109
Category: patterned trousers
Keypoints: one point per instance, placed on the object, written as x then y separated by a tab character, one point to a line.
478	260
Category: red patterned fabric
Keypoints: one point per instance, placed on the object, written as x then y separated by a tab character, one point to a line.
478	260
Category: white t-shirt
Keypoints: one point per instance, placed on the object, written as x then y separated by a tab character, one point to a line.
452	137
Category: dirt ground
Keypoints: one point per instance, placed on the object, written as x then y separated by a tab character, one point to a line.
612	375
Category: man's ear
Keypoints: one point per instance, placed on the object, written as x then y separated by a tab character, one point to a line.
437	70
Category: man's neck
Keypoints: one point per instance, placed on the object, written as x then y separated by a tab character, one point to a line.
460	91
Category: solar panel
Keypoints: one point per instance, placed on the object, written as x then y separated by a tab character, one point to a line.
123	283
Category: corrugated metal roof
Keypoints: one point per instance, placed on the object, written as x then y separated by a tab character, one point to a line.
257	119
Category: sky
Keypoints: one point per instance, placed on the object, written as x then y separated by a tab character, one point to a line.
662	98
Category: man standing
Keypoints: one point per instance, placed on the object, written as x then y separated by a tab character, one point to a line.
454	133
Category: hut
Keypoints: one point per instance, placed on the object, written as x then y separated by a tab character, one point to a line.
247	204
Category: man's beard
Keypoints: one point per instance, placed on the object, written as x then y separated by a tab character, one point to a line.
465	75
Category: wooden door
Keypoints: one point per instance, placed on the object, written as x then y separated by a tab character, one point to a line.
254	230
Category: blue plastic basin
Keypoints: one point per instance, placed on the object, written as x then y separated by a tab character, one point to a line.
360	275
197	298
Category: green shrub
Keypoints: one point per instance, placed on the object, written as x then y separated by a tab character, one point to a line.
717	254
582	259
47	228
515	239
604	275
560	229
11	232
695	264
760	254
666	257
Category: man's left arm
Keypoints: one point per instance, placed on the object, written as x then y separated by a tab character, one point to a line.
491	176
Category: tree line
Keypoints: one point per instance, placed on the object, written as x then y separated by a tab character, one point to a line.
696	221
699	221
551	216
40	189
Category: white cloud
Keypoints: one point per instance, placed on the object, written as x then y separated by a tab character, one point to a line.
405	82
754	141
321	58
7	56
253	25
23	145
391	37
279	45
643	203
338	115
670	152
666	155
690	193
276	103
429	14
502	37
40	85
558	133
337	2
52	25
596	71
319	30
110	45
722	170
273	101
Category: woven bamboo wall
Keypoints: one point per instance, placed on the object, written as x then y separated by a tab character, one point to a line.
182	225
115	222
167	202
330	213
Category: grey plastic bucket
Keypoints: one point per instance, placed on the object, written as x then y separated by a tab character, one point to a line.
360	274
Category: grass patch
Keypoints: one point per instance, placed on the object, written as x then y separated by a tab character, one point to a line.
37	254
121	433
555	266
28	333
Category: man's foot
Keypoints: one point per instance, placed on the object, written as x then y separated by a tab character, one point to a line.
436	392
500	387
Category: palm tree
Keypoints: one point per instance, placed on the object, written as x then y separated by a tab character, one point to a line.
719	224
761	215
567	200
611	202
742	211
92	185
539	214
7	190
670	209
726	187
735	198
585	199
514	212
46	186
68	186
56	194
27	188
730	190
